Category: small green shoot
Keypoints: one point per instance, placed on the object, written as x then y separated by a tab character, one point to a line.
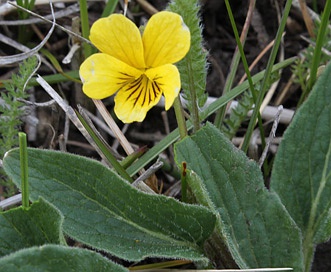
24	170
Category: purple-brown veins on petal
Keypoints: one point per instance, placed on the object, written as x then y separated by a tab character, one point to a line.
143	87
124	78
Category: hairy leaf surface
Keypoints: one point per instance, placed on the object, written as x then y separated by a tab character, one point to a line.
302	168
20	228
253	222
104	211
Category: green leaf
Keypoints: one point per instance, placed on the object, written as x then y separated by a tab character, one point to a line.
21	228
302	167
253	223
57	258
102	210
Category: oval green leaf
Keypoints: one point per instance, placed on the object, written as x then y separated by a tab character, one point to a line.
253	223
104	211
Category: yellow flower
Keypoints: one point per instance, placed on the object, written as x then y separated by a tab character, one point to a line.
138	68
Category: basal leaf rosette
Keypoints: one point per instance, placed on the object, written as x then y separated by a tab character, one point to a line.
138	68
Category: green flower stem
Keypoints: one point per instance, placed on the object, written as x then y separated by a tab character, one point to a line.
267	74
109	8
24	169
184	182
169	168
103	148
246	67
194	101
319	43
85	27
235	61
23	32
180	117
240	48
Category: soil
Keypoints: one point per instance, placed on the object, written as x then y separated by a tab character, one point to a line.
218	41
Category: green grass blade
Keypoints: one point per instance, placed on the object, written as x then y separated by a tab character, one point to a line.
319	43
24	169
267	75
109	8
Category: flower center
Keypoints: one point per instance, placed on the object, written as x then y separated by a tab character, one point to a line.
143	91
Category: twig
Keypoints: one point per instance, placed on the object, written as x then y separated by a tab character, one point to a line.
139	182
22	48
315	17
325	51
113	126
19	57
116	142
14	200
66	131
147	7
53	23
67	59
7	7
267	114
58	14
99	122
271	136
306	17
70	113
35	104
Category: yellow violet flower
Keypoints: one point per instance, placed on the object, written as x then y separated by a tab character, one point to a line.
138	68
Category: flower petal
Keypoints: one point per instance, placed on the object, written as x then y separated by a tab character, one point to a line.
103	75
166	39
134	100
167	79
119	37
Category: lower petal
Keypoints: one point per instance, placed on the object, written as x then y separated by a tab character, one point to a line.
135	99
103	75
167	78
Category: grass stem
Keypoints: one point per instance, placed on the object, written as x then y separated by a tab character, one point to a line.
109	8
180	118
24	169
319	44
85	27
267	75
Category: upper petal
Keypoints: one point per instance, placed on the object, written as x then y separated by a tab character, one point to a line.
119	37
103	75
167	80
134	100
166	39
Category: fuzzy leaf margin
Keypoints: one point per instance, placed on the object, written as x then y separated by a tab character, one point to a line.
301	174
105	212
253	222
54	258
